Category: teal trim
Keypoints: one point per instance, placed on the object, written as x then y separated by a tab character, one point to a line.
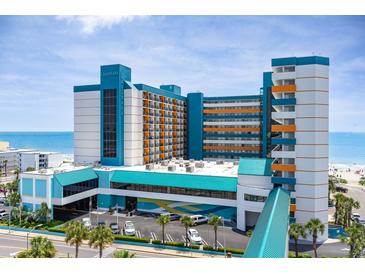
76	176
57	190
159	91
266	112
270	237
86	88
114	77
223	98
40	188
104	177
172	88
195	125
27	187
283	141
308	60
257	166
284	102
281	180
176	180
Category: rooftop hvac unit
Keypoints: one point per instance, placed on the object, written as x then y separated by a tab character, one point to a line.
149	167
199	164
219	162
189	169
164	163
171	168
191	160
235	163
181	165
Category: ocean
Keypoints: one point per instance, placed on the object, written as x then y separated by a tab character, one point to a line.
345	148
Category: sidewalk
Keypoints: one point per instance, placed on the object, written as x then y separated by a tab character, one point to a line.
135	248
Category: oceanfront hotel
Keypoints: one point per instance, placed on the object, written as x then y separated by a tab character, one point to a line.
154	150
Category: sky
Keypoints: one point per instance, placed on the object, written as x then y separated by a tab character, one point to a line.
43	57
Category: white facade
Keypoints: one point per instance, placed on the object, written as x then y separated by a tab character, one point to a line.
87	127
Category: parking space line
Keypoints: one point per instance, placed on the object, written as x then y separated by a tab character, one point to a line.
139	234
219	244
204	242
169	237
184	239
153	236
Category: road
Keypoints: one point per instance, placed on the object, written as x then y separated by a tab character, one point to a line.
12	243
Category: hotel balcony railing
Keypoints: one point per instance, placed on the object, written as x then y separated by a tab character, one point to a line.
283	141
283	180
283	102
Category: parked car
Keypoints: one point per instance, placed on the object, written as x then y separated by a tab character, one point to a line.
199	219
173	216
4	216
341	189
129	229
194	237
115	228
102	223
86	222
355	216
2	210
362	222
2	200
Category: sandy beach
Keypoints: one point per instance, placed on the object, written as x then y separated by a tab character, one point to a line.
351	173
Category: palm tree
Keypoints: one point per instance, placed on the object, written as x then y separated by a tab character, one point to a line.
3	189
349	205
187	222
17	213
296	231
6	167
355	239
12	186
315	226
100	237
17	172
215	221
43	212
162	220
76	232
41	247
123	254
13	199
339	199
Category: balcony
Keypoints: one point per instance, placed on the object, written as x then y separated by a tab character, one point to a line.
286	88
284	102
283	141
284	167
283	180
283	128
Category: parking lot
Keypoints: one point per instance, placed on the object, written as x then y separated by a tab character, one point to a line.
146	226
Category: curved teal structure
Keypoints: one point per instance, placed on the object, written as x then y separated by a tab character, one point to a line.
270	237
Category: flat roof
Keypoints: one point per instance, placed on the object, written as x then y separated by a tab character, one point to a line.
255	166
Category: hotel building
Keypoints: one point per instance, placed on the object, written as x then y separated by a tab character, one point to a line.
154	149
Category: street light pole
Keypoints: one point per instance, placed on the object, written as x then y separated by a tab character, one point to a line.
224	239
9	218
31	232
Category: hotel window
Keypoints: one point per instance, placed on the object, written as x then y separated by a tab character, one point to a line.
79	187
109	123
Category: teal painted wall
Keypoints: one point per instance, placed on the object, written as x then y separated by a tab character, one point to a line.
195	125
104	178
57	191
106	201
28	206
40	188
27	187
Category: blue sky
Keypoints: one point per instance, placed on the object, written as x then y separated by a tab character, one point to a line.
43	57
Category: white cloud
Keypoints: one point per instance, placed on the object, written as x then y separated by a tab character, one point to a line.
89	24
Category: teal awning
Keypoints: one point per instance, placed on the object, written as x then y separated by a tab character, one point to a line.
255	166
75	176
270	237
176	180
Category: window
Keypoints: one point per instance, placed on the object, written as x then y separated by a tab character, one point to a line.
109	123
255	198
79	187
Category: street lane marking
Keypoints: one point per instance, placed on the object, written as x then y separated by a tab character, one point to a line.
153	236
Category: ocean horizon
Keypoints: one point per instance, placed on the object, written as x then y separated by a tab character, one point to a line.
344	147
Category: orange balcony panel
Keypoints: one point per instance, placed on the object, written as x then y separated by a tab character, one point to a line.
162	135
174	127
287	88
146	134
174	147
231	129
174	154
146	142
146	158
162	112
174	134
162	127
174	101
284	167
162	141
174	108
146	151
162	105
174	140
237	110
253	148
174	120
283	128
293	207
162	156
162	148
145	126
162	120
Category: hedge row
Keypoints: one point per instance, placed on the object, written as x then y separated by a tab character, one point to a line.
195	246
131	238
178	244
156	242
220	249
300	255
57	229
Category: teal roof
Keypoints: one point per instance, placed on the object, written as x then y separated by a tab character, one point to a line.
270	237
176	180
255	166
76	176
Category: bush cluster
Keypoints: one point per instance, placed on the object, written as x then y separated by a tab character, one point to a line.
178	244
131	239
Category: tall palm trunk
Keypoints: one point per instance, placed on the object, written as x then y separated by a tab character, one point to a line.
163	234
77	251
296	247
100	251
315	245
215	238
186	236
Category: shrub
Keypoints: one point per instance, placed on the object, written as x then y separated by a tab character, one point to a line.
195	246
208	247
156	242
249	233
131	239
58	229
178	244
300	255
232	250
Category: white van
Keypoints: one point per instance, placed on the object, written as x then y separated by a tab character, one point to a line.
199	219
